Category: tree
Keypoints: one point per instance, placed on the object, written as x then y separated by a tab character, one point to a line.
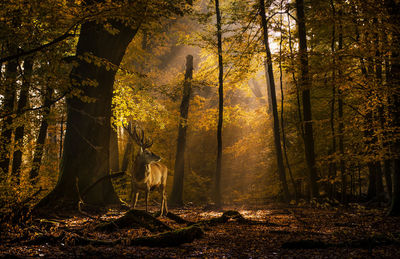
101	46
41	139
7	110
271	87
393	9
177	188
86	145
20	130
217	176
305	84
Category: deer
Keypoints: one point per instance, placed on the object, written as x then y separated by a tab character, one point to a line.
148	173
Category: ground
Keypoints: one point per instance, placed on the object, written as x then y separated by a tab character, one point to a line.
272	231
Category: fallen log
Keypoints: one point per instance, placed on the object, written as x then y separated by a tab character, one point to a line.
165	239
170	238
134	219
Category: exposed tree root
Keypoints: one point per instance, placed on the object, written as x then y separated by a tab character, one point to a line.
168	238
178	219
171	238
134	219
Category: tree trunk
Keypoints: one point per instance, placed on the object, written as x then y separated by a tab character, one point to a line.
340	115
114	152
87	140
128	152
217	176
177	188
305	85
332	166
8	107
41	139
393	9
20	131
271	86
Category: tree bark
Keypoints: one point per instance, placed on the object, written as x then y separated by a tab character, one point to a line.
393	9
20	131
41	139
340	115
87	140
8	107
271	86
177	188
305	84
114	152
332	166
217	176
128	152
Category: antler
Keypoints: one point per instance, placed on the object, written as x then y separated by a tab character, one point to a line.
138	136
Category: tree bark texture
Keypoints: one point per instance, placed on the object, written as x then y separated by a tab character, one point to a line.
179	172
305	84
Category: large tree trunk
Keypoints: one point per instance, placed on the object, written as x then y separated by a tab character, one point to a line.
41	139
177	188
305	84
393	9
87	140
217	176
271	86
7	108
20	131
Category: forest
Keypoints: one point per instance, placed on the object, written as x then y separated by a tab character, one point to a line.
200	128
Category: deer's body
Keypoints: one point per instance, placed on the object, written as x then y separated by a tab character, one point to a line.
148	174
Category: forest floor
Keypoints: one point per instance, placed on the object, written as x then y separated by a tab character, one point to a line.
269	231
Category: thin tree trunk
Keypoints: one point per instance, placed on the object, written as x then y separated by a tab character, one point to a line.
305	84
20	131
295	80
41	139
114	152
217	177
333	168
282	112
393	9
340	115
8	107
179	172
271	86
61	136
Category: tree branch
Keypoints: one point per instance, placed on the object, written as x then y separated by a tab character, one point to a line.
44	46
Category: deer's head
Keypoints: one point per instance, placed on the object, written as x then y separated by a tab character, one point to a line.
144	155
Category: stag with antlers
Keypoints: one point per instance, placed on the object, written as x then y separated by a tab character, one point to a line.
147	171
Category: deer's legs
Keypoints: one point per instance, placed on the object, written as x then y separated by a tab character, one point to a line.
147	198
135	199
134	196
163	202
